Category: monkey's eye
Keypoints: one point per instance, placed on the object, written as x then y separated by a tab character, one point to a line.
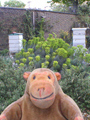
49	77
34	77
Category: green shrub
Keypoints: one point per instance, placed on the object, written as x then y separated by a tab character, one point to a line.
75	82
87	58
44	53
88	41
52	49
65	36
83	14
12	84
4	52
75	79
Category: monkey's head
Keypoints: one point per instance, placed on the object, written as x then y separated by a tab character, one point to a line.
42	86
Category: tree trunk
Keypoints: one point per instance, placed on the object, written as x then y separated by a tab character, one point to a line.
75	6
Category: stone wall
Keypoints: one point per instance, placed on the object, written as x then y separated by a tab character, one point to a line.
11	19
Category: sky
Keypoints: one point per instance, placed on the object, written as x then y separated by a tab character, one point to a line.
38	4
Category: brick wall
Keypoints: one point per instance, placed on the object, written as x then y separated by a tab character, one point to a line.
11	19
58	21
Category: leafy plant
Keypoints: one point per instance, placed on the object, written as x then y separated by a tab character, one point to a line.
65	36
12	84
43	53
39	51
4	52
27	24
88	41
76	83
14	3
87	58
83	15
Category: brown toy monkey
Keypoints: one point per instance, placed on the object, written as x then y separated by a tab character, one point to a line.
43	100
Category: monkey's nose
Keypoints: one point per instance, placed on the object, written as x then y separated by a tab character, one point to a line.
41	91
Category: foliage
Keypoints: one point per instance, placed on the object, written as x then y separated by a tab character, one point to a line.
65	36
75	82
83	15
59	7
58	56
40	51
4	52
87	58
14	3
28	25
0	4
39	27
75	3
53	53
29	29
84	9
69	2
88	41
12	85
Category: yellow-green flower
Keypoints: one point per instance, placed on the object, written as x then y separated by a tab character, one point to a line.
47	57
43	65
30	42
87	58
47	50
31	63
17	61
74	48
53	57
37	58
30	58
55	63
24	54
47	63
21	64
54	54
38	45
24	42
64	65
44	45
30	50
24	60
17	55
68	60
22	50
62	52
74	67
27	54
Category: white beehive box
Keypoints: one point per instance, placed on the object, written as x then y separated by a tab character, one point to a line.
79	36
15	42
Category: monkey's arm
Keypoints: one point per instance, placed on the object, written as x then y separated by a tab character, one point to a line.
12	112
70	109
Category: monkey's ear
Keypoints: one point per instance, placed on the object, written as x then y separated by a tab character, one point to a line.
26	75
58	75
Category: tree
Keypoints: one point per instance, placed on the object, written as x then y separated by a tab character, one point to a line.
14	3
75	3
0	4
59	7
84	14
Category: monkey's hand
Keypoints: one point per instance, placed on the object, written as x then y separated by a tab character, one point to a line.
78	118
2	117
